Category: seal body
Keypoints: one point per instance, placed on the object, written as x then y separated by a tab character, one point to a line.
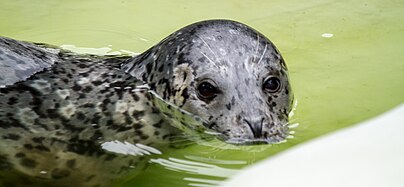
60	111
53	123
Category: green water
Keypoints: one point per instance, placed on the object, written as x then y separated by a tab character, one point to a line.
338	81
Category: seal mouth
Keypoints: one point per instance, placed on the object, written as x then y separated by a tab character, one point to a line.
277	135
239	141
260	141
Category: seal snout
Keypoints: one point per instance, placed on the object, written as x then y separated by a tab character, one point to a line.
255	127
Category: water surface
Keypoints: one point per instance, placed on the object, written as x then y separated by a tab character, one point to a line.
345	60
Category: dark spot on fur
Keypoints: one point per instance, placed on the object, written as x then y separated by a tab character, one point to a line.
202	59
138	114
96	118
88	105
137	126
110	157
42	148
97	135
149	67
185	95
82	65
38	139
76	87
135	97
20	155
185	77
28	146
212	125
167	136
87	89
11	136
106	101
71	163
52	113
89	178
4	163
182	59
97	83
28	163
12	100
161	68
84	147
228	106
11	57
158	124
80	116
144	137
60	173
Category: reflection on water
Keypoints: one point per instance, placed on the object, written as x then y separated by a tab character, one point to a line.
198	170
202	182
194	167
215	160
327	35
127	148
97	51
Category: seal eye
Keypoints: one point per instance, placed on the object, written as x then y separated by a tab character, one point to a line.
207	91
272	85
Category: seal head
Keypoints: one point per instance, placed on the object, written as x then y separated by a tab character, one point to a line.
225	72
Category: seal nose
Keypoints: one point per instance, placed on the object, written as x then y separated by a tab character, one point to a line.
256	127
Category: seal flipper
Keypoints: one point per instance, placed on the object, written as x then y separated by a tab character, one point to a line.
20	60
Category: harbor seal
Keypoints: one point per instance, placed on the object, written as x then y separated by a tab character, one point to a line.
58	108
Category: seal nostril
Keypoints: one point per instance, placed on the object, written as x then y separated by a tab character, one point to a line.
256	128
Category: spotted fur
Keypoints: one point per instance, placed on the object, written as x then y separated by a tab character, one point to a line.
53	123
57	108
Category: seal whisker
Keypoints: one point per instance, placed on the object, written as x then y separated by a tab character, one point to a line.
293	125
265	50
256	47
206	56
210	49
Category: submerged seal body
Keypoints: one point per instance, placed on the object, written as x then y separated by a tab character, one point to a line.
58	108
